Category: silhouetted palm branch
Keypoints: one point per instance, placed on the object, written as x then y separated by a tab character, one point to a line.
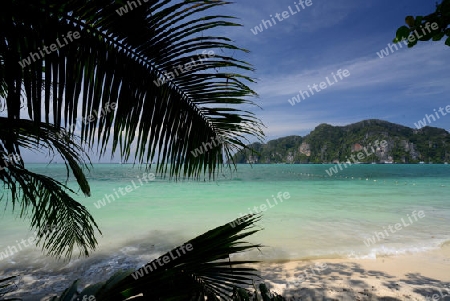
205	271
46	198
117	60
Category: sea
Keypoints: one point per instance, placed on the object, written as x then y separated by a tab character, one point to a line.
363	211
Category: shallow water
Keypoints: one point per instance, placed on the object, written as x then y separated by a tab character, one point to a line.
324	217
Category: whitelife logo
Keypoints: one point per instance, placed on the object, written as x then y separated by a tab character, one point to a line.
12	249
280	17
384	234
421	123
146	177
53	47
262	207
168	76
109	107
393	47
124	9
199	150
166	259
319	87
334	170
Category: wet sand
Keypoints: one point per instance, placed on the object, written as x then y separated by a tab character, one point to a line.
421	276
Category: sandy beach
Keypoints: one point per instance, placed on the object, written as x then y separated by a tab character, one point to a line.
414	277
325	222
421	276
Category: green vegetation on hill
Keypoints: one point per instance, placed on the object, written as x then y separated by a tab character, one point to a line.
327	144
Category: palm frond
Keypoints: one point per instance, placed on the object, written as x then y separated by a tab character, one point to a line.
205	270
48	199
106	75
118	59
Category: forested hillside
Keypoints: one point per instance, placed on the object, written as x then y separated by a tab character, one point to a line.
332	144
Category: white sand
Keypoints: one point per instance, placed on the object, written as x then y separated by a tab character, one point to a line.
406	277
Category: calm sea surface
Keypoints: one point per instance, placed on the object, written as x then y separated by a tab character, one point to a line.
325	217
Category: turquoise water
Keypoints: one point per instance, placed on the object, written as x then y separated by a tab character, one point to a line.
325	217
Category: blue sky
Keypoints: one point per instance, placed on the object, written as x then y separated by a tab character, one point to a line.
322	38
307	47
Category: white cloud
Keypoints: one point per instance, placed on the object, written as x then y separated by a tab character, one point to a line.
405	68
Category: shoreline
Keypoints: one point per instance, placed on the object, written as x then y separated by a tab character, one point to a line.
412	277
419	277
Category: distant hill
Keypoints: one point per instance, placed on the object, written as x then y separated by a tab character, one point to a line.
333	144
